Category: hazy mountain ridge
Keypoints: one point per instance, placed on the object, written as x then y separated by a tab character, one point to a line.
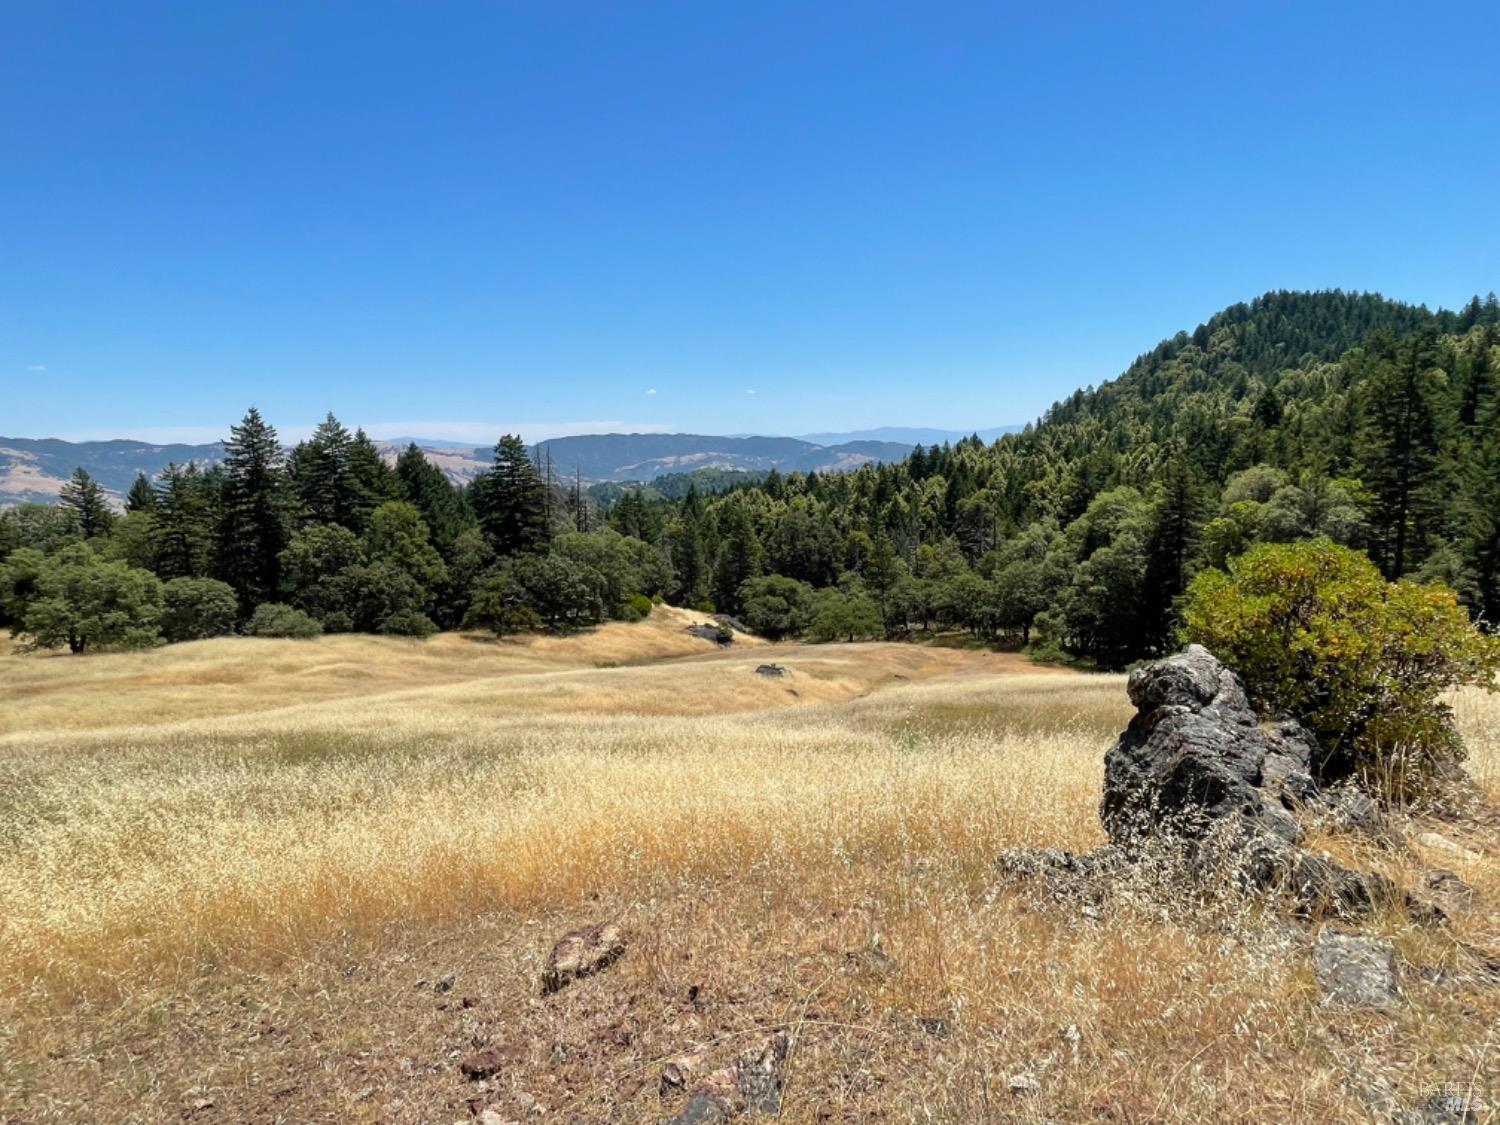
618	457
32	470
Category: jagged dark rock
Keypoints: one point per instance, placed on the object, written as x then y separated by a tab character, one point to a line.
1325	888
1196	761
753	1083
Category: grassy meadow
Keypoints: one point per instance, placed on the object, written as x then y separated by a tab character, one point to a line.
228	868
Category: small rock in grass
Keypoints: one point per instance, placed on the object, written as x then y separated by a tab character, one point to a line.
1355	971
481	1065
1024	1085
872	958
675	1075
754	1081
580	953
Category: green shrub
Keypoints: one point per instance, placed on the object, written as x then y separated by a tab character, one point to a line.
1316	632
337	621
196	608
774	606
272	619
408	623
844	617
636	607
498	603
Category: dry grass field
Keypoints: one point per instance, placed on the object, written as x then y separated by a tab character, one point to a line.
229	869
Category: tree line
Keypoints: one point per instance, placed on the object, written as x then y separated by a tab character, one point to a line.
1347	416
325	538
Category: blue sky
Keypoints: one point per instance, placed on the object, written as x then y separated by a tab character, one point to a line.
453	218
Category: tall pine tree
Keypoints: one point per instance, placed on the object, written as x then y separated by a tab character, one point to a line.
253	512
185	502
84	497
141	497
442	506
373	482
510	501
320	474
1399	450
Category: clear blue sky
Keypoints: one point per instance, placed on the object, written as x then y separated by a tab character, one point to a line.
557	216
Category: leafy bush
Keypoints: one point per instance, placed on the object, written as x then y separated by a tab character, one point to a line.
273	619
497	603
636	607
845	617
337	622
408	623
195	608
1317	632
563	592
776	606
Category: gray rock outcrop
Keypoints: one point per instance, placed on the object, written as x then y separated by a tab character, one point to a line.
1196	761
1354	971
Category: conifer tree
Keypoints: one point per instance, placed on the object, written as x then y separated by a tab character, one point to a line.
442	506
1173	544
375	482
252	518
321	474
184	521
1399	451
740	556
141	497
510	501
1480	506
84	497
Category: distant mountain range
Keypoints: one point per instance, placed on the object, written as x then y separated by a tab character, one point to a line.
33	469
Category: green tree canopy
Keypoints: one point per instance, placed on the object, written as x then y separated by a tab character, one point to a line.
87	603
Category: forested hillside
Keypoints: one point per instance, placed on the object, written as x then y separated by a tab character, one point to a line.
1372	422
1299	414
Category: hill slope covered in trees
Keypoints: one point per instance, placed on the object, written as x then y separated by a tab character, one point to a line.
1371	422
1298	414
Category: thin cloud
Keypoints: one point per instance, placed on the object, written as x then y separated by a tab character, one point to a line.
37	367
751	392
652	391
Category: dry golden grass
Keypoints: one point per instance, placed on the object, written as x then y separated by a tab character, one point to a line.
224	863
